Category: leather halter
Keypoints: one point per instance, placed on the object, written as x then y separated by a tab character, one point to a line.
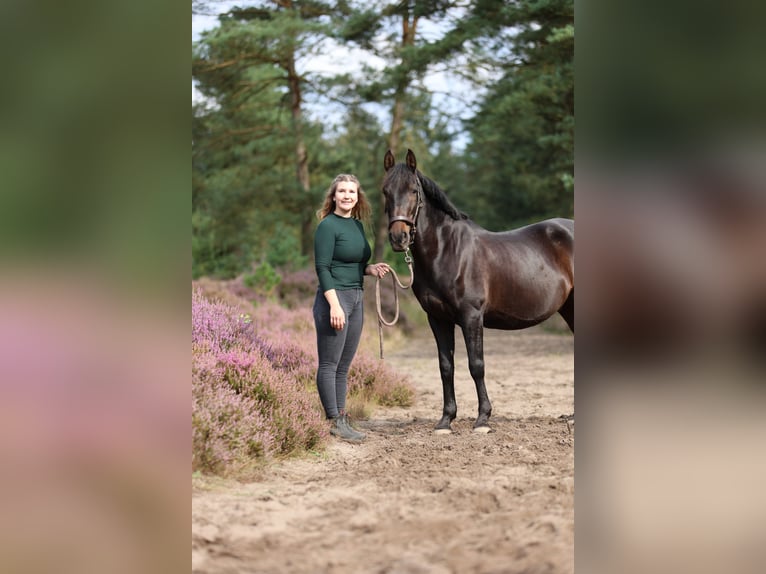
411	222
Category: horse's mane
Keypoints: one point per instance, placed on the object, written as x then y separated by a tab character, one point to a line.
438	198
399	174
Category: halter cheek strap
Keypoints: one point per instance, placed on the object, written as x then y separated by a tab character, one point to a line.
411	222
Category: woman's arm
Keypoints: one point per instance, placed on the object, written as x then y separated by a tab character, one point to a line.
324	246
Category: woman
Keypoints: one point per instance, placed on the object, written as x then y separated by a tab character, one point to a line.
341	253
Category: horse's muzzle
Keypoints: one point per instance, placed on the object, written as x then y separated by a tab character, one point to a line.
399	235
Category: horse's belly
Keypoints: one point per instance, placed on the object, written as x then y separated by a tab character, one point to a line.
524	306
508	323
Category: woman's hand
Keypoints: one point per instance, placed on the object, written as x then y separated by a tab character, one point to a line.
337	317
378	269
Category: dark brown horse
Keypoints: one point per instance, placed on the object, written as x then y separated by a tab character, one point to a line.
468	276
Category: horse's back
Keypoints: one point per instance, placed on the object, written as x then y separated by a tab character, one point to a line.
557	229
556	233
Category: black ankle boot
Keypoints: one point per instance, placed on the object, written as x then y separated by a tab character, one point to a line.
352	427
342	430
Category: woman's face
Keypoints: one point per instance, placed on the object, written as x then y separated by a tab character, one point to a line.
346	197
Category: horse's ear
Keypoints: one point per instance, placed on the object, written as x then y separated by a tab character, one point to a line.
389	160
412	163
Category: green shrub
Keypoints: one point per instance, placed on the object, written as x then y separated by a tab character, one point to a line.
264	279
284	249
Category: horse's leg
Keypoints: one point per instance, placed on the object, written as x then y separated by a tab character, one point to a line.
567	310
473	333
444	333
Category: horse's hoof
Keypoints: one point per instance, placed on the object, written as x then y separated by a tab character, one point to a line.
442	431
482	430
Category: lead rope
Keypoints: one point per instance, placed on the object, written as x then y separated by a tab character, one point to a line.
395	281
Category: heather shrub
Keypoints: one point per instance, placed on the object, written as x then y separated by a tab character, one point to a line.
247	403
229	432
233	293
297	288
253	380
374	381
244	411
294	420
291	288
217	325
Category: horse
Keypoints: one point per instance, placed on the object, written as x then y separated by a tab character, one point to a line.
468	276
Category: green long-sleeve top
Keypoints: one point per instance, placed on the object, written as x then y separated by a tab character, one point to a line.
341	253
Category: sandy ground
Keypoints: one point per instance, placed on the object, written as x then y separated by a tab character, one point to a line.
408	501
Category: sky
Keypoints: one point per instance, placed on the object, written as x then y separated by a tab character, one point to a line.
451	95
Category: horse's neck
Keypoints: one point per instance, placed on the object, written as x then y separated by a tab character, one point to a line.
427	243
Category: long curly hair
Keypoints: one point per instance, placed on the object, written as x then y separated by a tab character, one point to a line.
362	210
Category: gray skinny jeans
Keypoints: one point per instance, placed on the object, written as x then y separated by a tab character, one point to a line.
336	349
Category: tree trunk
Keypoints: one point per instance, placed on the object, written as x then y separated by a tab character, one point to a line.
301	158
394	139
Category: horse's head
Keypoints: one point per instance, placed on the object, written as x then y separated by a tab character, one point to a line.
403	193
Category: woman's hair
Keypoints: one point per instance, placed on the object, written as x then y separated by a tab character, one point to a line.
362	209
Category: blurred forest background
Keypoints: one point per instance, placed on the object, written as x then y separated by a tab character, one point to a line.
271	126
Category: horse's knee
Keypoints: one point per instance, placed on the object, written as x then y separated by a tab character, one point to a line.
476	368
